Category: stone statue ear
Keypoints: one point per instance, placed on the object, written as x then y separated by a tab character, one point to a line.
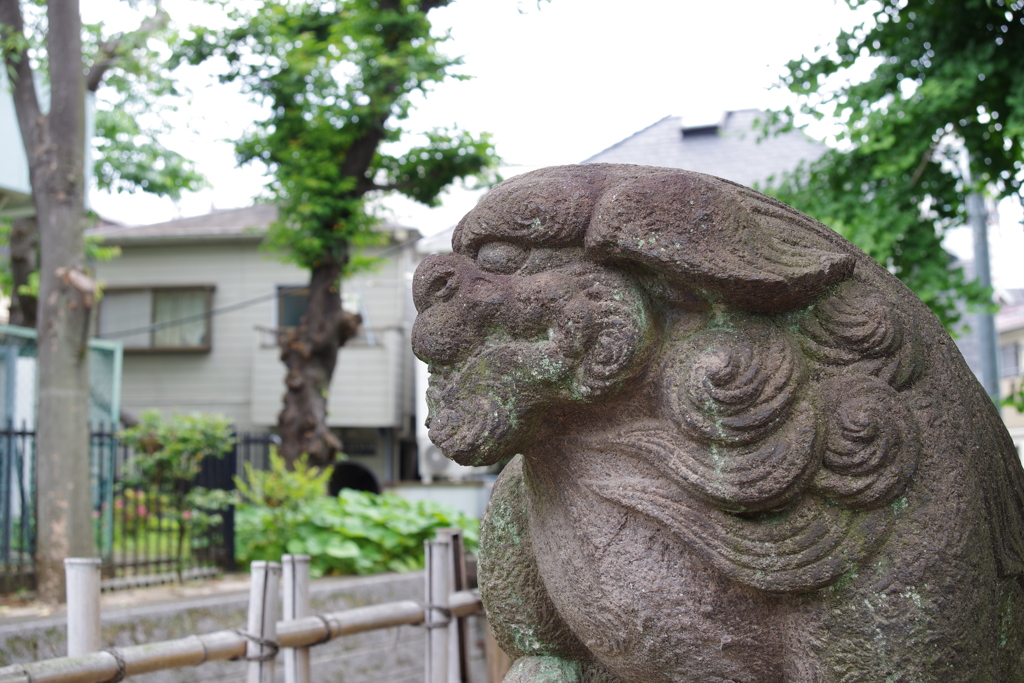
737	245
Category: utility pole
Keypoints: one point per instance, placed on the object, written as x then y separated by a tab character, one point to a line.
986	324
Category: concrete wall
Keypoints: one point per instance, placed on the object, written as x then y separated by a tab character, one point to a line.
469	497
394	655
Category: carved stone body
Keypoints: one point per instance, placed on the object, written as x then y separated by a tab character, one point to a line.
743	451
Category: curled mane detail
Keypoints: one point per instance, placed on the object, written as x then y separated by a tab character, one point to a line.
857	327
871	443
752	444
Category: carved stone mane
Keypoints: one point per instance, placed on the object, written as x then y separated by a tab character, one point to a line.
720	404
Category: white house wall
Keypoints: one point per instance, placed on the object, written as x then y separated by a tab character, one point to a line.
363	389
242	376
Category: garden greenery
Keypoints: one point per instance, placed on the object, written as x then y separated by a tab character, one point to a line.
168	456
353	533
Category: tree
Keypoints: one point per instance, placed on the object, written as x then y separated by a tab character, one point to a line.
50	46
130	88
944	93
336	79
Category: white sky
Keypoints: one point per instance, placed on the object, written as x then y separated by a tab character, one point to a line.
554	85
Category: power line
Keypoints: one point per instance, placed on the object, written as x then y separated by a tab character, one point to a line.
281	291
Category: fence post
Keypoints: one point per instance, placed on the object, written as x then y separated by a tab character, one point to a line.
296	606
436	613
458	656
82	577
265	579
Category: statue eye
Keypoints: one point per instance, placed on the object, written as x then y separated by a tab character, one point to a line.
501	257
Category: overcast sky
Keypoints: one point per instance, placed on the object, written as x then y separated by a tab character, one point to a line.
554	84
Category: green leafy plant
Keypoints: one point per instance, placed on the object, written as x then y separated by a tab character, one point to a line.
1015	399
280	487
943	97
353	533
168	457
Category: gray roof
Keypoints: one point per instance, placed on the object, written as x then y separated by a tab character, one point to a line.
251	221
728	149
248	223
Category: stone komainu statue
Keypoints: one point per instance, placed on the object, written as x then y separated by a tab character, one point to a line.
743	451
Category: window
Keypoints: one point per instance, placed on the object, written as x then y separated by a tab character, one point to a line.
1009	360
292	303
157	319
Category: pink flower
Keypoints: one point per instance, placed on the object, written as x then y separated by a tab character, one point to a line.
119	503
95	514
141	511
187	514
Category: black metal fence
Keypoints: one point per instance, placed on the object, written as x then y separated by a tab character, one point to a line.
17	508
141	534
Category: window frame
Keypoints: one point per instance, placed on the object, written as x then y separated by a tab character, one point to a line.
358	339
279	304
207	290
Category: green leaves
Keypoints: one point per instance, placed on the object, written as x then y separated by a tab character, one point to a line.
944	79
133	83
168	455
169	452
1015	399
336	79
424	172
286	511
130	158
280	487
354	533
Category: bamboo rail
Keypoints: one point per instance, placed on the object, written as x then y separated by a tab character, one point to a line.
102	666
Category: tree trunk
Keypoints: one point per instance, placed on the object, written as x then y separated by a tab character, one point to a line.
24	261
64	496
310	352
66	298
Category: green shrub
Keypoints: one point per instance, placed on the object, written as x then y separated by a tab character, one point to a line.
353	533
280	487
169	452
168	456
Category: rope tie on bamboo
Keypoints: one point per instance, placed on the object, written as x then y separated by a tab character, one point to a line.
428	612
271	645
122	666
328	630
206	650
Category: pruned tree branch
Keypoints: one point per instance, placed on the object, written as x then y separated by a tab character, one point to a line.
925	159
110	51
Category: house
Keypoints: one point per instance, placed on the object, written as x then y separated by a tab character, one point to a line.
195	302
1010	328
730	149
